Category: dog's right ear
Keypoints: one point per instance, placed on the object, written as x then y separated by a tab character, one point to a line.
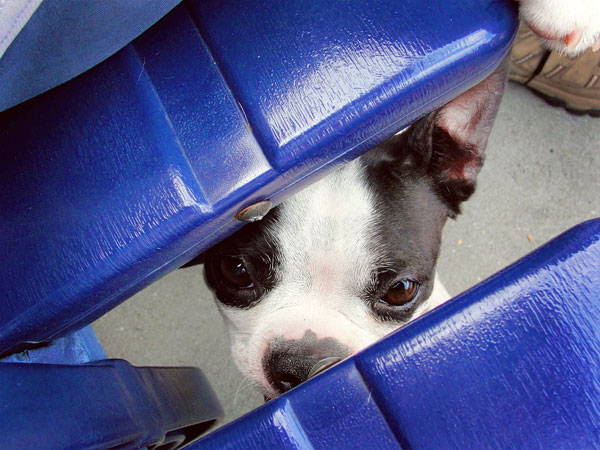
449	144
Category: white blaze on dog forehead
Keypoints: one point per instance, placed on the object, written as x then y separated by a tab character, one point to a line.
327	234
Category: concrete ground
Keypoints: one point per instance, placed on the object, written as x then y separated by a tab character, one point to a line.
542	176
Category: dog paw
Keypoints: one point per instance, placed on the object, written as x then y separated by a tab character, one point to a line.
567	26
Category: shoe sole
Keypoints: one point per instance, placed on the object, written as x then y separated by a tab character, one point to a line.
518	78
574	105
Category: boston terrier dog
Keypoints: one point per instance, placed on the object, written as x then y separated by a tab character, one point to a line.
352	257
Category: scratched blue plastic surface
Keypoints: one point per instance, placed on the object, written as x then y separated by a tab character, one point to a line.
128	171
512	363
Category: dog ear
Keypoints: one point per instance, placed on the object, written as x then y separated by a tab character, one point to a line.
449	144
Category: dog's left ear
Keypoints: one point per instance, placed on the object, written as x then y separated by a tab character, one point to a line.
449	144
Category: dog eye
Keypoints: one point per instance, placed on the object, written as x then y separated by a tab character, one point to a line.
235	274
402	293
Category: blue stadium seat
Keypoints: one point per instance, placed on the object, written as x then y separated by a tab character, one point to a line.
67	395
125	173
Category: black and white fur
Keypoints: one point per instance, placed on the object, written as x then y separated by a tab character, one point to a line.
322	261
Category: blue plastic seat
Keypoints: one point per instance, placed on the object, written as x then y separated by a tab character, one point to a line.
512	363
67	395
133	168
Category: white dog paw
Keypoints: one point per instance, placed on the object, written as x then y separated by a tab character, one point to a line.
567	26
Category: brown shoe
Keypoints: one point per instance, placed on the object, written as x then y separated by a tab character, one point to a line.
527	55
573	83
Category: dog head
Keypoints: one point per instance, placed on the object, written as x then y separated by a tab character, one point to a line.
352	257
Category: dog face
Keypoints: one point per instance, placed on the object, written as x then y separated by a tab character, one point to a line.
352	257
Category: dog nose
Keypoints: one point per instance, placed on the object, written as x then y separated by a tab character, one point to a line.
288	370
289	363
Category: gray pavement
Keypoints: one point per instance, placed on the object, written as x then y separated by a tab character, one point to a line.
542	176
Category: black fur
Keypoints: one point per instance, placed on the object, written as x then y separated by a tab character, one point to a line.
410	218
